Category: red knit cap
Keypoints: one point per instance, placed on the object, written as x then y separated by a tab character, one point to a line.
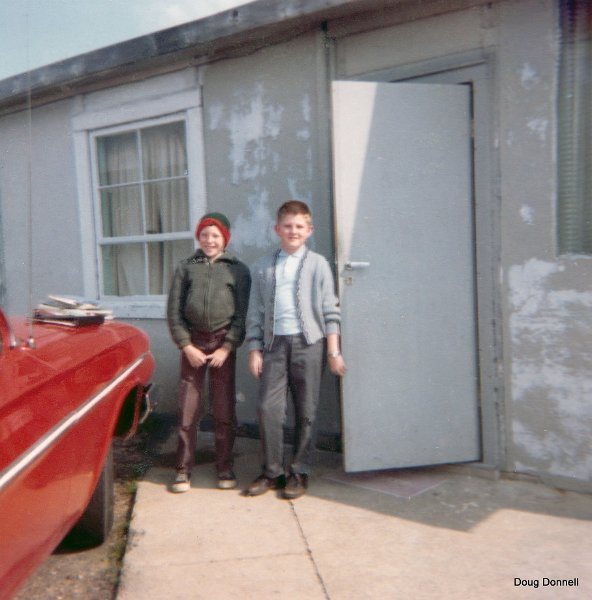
217	219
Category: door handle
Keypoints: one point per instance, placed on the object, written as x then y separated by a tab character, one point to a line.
351	265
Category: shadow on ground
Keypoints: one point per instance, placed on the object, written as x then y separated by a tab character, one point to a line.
435	496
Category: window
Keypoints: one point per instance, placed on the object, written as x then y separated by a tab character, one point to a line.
141	187
142	207
575	128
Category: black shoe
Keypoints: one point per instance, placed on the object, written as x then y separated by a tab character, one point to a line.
264	483
296	486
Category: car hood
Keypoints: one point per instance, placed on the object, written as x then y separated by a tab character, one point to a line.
100	351
44	333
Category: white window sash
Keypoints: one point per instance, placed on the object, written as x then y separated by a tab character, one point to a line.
133	270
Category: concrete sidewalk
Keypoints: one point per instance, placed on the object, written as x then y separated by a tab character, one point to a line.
411	534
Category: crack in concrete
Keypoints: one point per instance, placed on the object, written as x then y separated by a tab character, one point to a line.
309	552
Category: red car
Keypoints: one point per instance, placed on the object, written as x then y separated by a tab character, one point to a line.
65	391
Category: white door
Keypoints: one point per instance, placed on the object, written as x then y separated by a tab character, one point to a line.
405	249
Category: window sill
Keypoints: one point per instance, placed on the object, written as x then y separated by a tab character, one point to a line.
136	309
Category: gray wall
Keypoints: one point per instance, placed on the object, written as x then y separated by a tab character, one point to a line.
265	129
55	233
548	298
545	370
266	139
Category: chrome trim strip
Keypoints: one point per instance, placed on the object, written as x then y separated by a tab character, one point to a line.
60	429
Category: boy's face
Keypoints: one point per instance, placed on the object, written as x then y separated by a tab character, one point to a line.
211	241
293	231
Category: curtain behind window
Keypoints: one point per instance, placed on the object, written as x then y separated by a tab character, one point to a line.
575	128
144	191
121	211
167	206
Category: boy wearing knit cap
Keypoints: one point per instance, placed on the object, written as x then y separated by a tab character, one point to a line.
293	320
206	311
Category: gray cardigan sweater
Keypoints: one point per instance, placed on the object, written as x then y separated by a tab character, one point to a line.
318	307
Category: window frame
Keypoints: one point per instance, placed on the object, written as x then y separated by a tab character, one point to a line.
184	106
101	239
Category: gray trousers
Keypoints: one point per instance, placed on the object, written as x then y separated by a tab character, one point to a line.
290	365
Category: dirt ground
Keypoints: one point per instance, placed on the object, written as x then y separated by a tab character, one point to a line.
71	574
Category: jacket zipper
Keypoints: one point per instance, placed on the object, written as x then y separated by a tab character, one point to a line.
207	296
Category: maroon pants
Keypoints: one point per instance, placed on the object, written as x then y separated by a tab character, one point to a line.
192	405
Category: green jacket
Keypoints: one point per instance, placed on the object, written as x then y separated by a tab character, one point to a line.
207	296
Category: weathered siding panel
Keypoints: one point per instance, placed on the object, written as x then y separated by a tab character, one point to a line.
546	299
266	121
549	364
55	249
415	41
266	141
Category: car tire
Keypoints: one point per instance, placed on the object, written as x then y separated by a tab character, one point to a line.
95	524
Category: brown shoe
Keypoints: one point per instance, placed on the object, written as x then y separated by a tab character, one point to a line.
263	483
296	486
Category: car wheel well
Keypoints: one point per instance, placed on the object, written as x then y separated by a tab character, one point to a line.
128	418
134	411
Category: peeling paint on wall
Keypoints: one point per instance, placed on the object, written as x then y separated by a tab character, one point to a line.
527	285
253	126
527	214
551	372
304	133
528	76
538	127
251	121
255	228
297	192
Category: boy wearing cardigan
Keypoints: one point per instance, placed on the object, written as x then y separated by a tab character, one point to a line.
292	322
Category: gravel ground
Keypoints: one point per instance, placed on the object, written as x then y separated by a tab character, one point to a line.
71	574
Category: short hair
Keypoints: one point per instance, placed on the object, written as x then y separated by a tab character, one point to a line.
294	207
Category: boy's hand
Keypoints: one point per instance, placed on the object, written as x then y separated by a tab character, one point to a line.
334	358
218	358
337	365
256	363
195	356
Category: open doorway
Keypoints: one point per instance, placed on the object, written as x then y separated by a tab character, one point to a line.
416	258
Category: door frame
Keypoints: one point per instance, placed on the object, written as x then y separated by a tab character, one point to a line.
475	68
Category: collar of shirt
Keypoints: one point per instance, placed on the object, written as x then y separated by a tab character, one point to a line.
287	265
298	254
